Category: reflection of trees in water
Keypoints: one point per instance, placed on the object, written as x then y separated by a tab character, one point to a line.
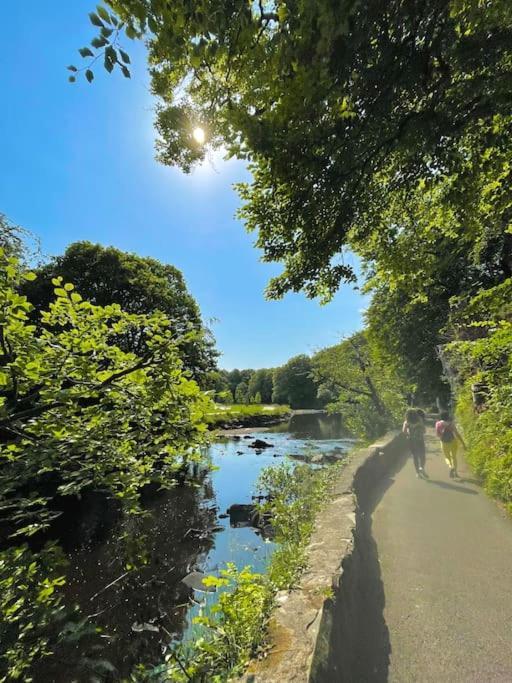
139	609
315	425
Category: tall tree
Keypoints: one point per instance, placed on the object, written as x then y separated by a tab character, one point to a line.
242	393
261	383
293	383
369	394
105	275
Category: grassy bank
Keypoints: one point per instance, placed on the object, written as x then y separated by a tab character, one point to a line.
246	415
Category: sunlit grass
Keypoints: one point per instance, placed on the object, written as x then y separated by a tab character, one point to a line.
235	411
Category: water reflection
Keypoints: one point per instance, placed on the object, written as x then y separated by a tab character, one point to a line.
188	529
313	425
138	609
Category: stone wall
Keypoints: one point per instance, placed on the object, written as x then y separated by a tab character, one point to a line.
331	628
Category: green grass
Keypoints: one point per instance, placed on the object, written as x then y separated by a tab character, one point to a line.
225	413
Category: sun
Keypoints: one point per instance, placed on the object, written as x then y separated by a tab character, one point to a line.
199	135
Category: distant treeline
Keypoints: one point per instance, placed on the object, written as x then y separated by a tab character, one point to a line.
292	384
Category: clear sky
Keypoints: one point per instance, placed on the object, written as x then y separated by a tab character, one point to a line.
78	164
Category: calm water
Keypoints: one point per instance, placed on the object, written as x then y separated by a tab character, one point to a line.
142	610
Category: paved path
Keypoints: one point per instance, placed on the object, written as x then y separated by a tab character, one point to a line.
445	554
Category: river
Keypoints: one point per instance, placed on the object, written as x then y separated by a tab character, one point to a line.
128	581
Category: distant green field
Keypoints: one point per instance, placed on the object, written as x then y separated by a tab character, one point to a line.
226	413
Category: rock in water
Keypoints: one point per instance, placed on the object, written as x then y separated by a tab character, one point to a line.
259	444
195	580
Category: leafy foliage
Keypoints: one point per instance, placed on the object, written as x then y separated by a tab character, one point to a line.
339	107
235	630
293	383
296	495
261	383
106	45
242	393
369	394
480	360
105	275
30	602
77	412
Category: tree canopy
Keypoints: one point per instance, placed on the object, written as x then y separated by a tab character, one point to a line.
261	383
368	393
293	383
139	285
77	411
337	106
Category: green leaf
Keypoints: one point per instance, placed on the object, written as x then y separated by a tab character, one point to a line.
126	71
124	56
131	32
99	41
69	287
107	32
102	12
195	60
111	54
89	75
86	52
71	68
108	64
95	20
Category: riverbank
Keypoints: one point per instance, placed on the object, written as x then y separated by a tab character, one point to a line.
239	416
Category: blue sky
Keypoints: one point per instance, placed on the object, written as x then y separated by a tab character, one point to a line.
78	164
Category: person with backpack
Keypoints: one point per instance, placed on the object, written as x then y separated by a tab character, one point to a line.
414	428
450	438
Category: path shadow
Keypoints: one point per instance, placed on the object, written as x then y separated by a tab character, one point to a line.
452	487
469	480
358	647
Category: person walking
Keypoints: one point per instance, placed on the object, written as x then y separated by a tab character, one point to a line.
414	428
450	438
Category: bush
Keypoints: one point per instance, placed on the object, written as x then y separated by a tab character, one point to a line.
483	356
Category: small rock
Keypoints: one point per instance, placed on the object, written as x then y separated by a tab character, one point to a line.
298	456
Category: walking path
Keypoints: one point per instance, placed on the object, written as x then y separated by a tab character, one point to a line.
445	554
